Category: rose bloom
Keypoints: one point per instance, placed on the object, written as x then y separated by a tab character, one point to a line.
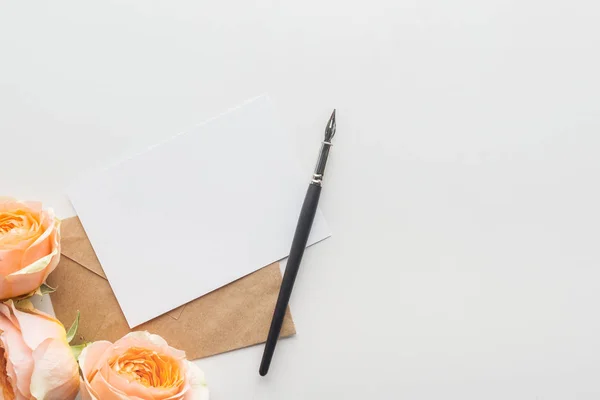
139	366
29	246
35	359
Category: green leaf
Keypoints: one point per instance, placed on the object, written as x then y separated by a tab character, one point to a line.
45	289
76	350
73	329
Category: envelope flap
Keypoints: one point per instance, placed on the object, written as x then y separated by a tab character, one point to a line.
76	246
176	313
234	316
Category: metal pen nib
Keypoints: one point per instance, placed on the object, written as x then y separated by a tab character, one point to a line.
317	178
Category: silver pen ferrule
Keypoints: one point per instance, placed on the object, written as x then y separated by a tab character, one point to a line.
317	178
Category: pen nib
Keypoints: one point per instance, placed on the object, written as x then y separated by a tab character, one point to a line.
330	129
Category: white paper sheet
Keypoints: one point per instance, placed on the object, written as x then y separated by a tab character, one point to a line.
196	212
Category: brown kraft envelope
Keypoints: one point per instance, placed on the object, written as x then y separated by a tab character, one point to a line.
235	316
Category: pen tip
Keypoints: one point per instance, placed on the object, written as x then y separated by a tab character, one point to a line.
331	125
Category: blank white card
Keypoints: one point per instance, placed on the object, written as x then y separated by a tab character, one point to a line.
196	212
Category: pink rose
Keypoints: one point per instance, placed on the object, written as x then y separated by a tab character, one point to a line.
35	359
29	246
139	366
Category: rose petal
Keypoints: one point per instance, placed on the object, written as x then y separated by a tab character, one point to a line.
106	391
87	362
6	199
20	360
199	388
26	217
102	381
136	389
29	250
47	242
21	283
86	391
36	266
35	206
10	260
9	203
55	374
27	229
149	341
90	356
144	340
7	312
37	327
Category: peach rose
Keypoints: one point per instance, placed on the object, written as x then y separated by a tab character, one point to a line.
29	246
35	359
139	366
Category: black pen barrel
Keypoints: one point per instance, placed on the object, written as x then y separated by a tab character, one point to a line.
305	221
